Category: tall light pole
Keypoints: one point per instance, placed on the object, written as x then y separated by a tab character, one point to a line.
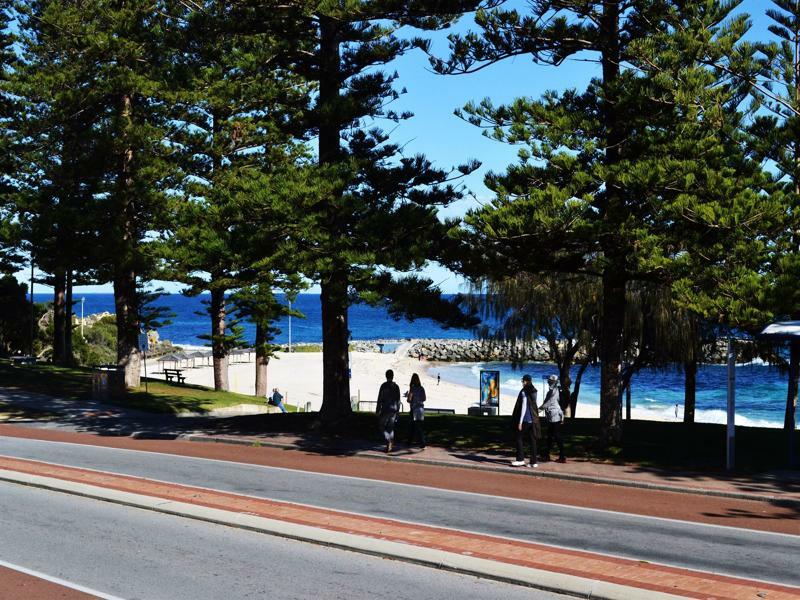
82	299
290	325
33	309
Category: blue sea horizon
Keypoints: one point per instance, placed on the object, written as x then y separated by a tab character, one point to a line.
366	322
760	391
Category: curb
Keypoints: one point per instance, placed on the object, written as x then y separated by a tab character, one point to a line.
525	473
438	559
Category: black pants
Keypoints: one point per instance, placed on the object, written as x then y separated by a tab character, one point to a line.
526	432
554	431
416	431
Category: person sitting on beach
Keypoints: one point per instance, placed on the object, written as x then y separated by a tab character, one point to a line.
416	398
525	420
555	420
277	400
388	407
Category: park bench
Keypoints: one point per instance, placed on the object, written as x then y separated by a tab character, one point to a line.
440	411
176	374
23	360
372	406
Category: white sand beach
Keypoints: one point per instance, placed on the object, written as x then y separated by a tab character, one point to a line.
298	376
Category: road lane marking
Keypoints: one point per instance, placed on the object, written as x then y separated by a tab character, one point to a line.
233	518
58	581
570	507
158	501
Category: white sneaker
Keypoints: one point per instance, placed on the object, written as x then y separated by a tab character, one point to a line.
517	463
533	465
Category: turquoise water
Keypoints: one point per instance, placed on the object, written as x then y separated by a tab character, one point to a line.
760	390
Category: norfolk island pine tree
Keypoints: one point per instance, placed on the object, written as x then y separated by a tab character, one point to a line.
235	111
374	211
604	180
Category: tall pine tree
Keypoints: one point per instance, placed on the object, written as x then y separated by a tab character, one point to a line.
9	108
237	111
611	177
777	137
373	212
61	158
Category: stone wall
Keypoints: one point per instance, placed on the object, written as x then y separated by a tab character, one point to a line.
478	351
483	351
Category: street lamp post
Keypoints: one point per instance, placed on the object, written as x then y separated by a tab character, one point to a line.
33	310
290	326
82	300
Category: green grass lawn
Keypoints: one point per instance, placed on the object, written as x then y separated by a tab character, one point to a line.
647	443
161	397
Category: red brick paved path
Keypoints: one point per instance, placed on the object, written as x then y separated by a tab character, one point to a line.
763	516
582	564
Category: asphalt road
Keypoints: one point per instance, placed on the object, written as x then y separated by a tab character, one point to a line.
727	550
136	554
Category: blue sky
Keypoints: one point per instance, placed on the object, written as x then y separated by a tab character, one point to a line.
447	140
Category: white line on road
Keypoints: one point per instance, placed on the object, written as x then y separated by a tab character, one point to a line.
8	476
56	580
399	484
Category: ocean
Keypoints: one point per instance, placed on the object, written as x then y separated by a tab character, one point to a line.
760	389
366	322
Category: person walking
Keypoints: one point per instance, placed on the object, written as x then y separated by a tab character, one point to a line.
525	419
416	399
277	400
388	407
555	420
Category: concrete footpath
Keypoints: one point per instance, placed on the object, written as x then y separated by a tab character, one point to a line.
107	420
779	487
576	572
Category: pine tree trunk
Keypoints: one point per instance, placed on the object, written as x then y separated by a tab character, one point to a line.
262	361
124	271
335	356
218	350
611	356
628	401
128	356
565	379
69	357
573	397
59	316
614	278
333	296
690	390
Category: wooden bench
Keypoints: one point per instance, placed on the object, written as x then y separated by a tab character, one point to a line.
176	374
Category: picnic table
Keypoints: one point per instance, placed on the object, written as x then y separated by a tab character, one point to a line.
176	374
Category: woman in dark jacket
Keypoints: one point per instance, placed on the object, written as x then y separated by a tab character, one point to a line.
525	421
416	398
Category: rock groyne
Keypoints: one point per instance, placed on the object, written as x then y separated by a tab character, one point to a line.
454	350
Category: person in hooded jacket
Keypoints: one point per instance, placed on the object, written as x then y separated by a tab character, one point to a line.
416	398
555	420
525	420
388	406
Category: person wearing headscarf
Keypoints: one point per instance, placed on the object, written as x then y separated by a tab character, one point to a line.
416	398
555	420
525	420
